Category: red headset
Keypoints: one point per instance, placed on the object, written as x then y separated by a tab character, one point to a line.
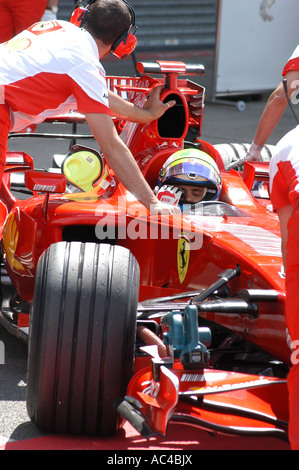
124	45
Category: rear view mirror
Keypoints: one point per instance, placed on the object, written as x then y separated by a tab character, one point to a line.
44	182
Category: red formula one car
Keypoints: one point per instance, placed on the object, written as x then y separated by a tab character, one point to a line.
146	317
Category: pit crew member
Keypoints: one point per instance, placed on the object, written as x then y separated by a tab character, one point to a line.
284	193
53	68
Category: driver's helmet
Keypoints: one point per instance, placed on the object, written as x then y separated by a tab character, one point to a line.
192	167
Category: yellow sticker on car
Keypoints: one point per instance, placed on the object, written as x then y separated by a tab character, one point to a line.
10	241
183	256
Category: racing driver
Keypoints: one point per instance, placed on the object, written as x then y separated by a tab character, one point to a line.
53	68
188	177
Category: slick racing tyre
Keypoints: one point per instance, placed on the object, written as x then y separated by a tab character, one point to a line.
82	337
231	153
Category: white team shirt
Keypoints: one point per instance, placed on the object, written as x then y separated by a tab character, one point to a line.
50	69
284	171
292	63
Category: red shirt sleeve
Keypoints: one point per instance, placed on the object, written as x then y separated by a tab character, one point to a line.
292	64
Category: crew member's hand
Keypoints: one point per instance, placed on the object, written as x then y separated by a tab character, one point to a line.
49	16
154	106
164	209
253	154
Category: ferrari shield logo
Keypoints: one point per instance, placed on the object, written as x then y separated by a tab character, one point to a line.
183	255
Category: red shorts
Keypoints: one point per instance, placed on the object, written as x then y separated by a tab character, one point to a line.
5	125
292	320
17	15
292	277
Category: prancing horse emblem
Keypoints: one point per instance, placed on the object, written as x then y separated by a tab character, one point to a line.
183	255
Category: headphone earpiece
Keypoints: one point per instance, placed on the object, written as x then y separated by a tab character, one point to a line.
79	16
125	45
80	12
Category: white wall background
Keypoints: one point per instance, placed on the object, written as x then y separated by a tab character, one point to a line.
251	51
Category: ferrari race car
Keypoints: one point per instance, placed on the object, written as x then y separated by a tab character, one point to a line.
143	317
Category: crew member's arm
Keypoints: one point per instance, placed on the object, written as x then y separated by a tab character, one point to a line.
52	3
122	162
50	13
272	113
275	108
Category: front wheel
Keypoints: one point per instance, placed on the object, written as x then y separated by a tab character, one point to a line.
82	337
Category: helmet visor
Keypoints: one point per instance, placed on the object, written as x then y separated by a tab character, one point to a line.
186	172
